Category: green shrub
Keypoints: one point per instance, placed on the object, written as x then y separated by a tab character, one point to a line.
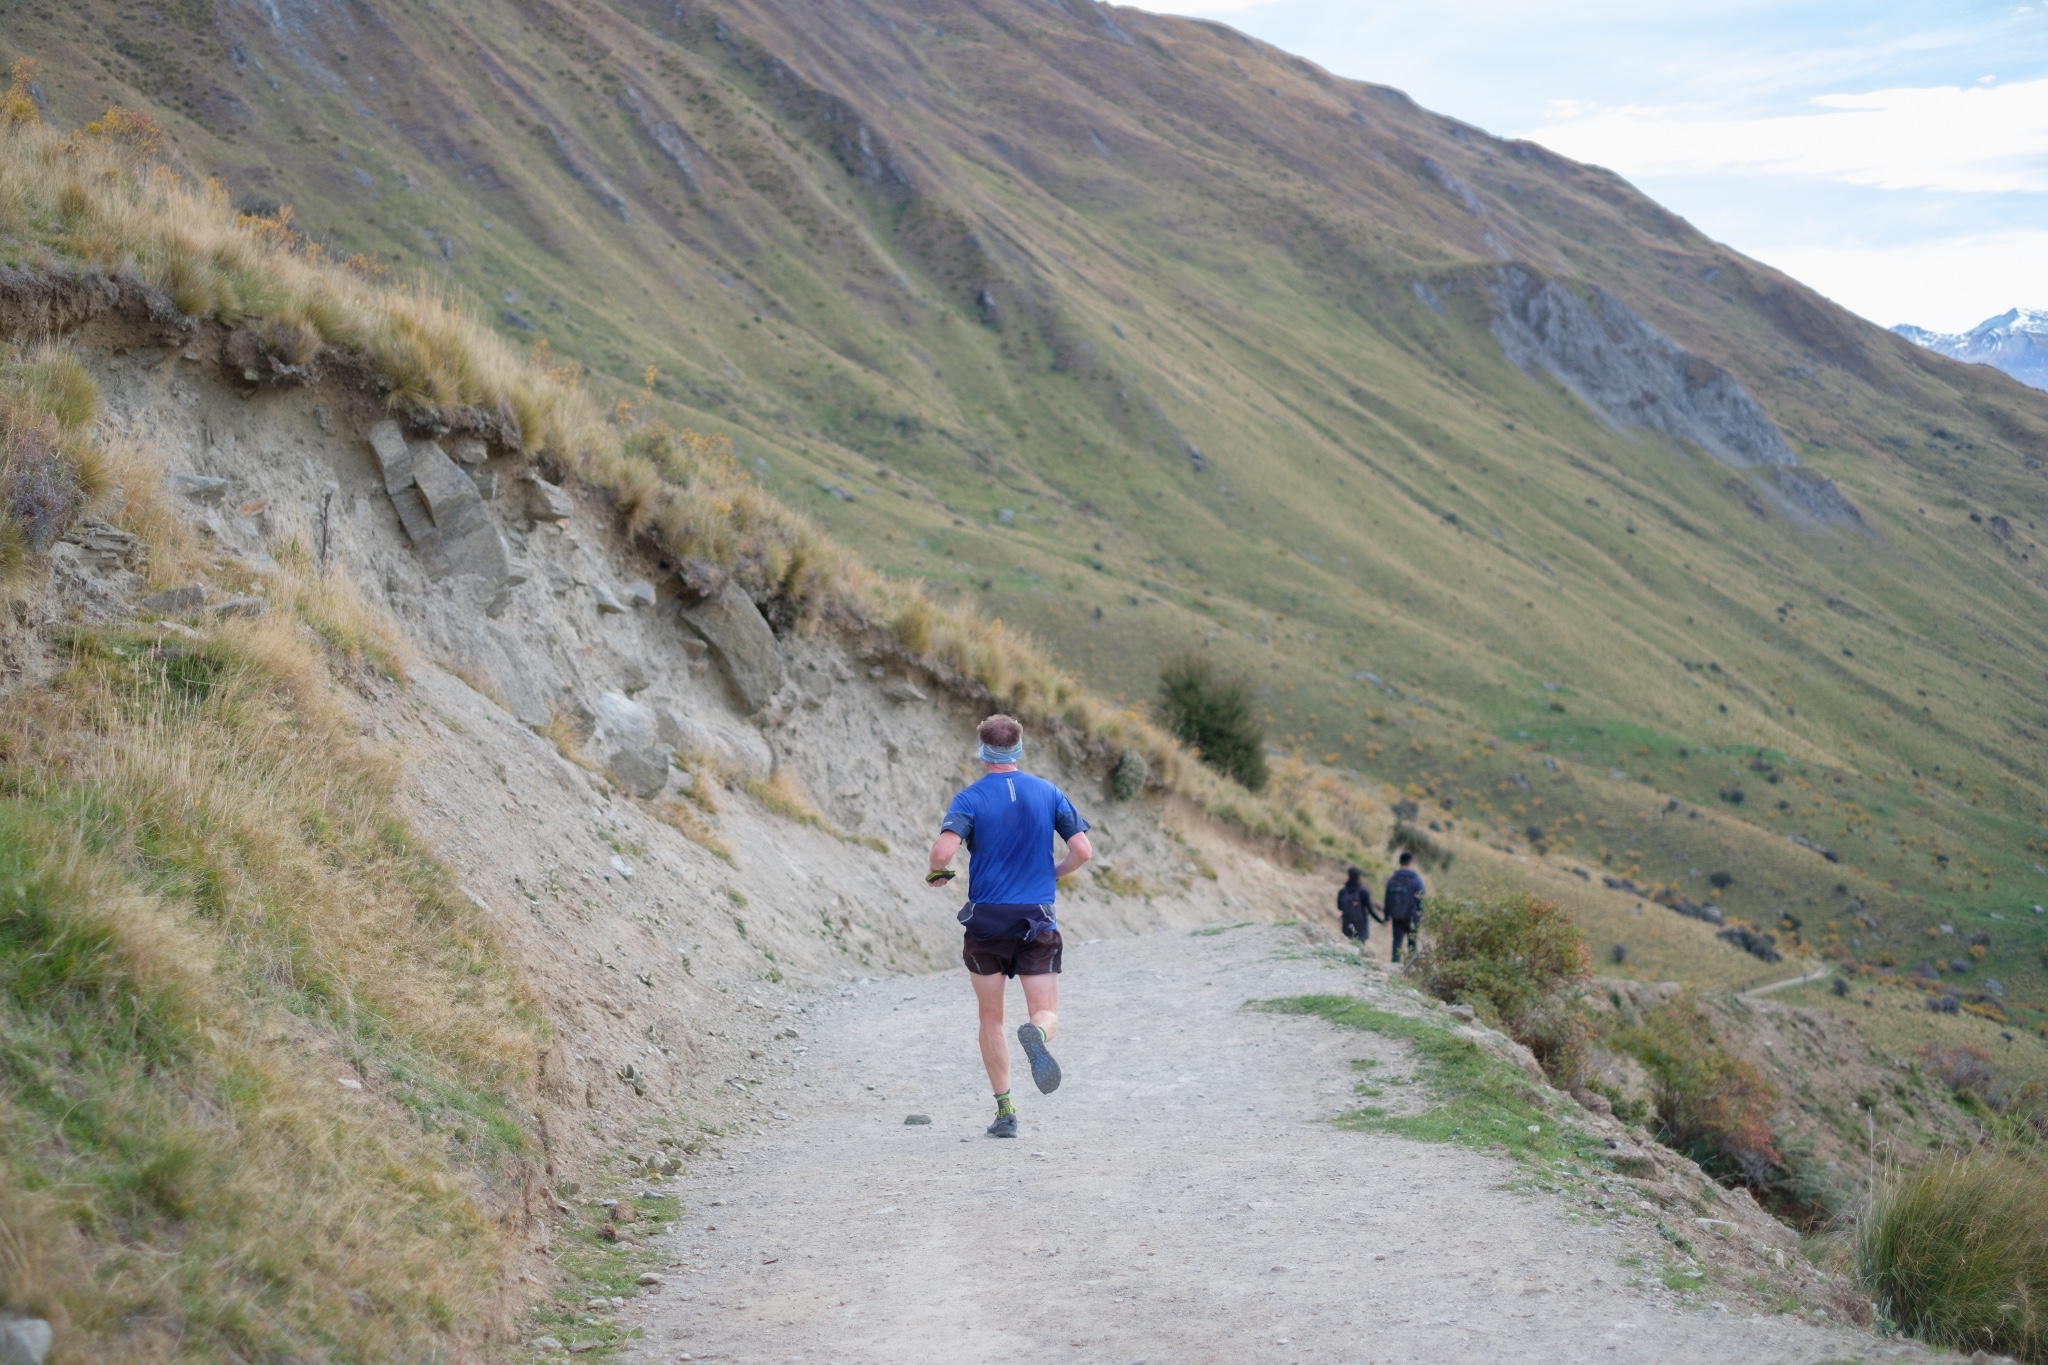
1127	779
1957	1254
1711	1105
1213	716
1518	962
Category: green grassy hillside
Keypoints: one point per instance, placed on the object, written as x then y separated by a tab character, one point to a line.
1146	336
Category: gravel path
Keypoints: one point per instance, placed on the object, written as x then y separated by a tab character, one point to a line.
1179	1199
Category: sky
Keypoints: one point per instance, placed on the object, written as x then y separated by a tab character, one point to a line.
1892	155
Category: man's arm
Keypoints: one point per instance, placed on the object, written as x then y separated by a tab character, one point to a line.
1079	851
942	852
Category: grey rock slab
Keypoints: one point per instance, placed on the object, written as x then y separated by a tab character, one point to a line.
25	1341
413	514
175	601
627	721
240	606
639	593
197	487
642	772
486	483
394	456
559	579
470	451
104	546
461	537
902	689
739	635
440	481
547	502
607	601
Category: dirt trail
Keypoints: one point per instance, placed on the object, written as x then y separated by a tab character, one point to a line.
1178	1199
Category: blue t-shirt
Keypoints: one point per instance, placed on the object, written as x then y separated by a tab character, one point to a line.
1007	821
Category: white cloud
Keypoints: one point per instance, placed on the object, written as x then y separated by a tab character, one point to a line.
1976	140
1950	285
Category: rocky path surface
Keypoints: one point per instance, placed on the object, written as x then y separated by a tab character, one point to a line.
1180	1198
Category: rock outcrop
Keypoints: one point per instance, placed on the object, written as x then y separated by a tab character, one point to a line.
440	507
1628	371
1634	376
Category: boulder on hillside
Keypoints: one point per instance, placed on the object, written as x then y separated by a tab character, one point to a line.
629	736
745	647
546	501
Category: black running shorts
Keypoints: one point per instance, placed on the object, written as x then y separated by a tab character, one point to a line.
1010	956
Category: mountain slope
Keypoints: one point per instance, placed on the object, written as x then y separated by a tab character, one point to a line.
1149	336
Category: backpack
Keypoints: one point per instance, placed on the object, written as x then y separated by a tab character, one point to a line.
1351	911
1403	902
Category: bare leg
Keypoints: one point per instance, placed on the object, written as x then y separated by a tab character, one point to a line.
1041	1002
995	1044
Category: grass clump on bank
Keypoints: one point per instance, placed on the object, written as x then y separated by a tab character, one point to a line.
1956	1253
1478	1100
263	1070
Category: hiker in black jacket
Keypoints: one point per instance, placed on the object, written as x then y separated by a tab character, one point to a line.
1402	905
1354	907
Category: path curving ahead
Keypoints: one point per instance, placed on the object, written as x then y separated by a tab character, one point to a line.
1179	1199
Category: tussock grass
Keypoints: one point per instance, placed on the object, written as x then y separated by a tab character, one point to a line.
49	470
1956	1253
209	911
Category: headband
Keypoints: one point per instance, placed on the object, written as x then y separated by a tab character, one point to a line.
1013	754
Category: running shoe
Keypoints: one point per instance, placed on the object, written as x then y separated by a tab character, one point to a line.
1004	1126
1045	1072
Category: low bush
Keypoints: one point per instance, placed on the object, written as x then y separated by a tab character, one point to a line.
1519	962
1956	1253
1213	716
1711	1104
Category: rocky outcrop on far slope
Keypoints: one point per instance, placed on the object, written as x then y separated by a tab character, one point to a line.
1634	376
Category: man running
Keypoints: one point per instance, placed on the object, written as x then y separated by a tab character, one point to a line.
1402	904
1006	821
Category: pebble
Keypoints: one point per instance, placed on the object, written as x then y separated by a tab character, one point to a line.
917	1120
649	1279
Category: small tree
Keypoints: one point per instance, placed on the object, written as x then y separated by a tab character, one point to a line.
1213	716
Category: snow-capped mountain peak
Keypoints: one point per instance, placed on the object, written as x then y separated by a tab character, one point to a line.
2016	341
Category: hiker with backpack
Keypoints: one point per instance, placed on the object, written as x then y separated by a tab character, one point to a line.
1354	907
1401	906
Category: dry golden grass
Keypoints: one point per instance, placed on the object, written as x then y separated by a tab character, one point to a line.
208	911
686	819
781	793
